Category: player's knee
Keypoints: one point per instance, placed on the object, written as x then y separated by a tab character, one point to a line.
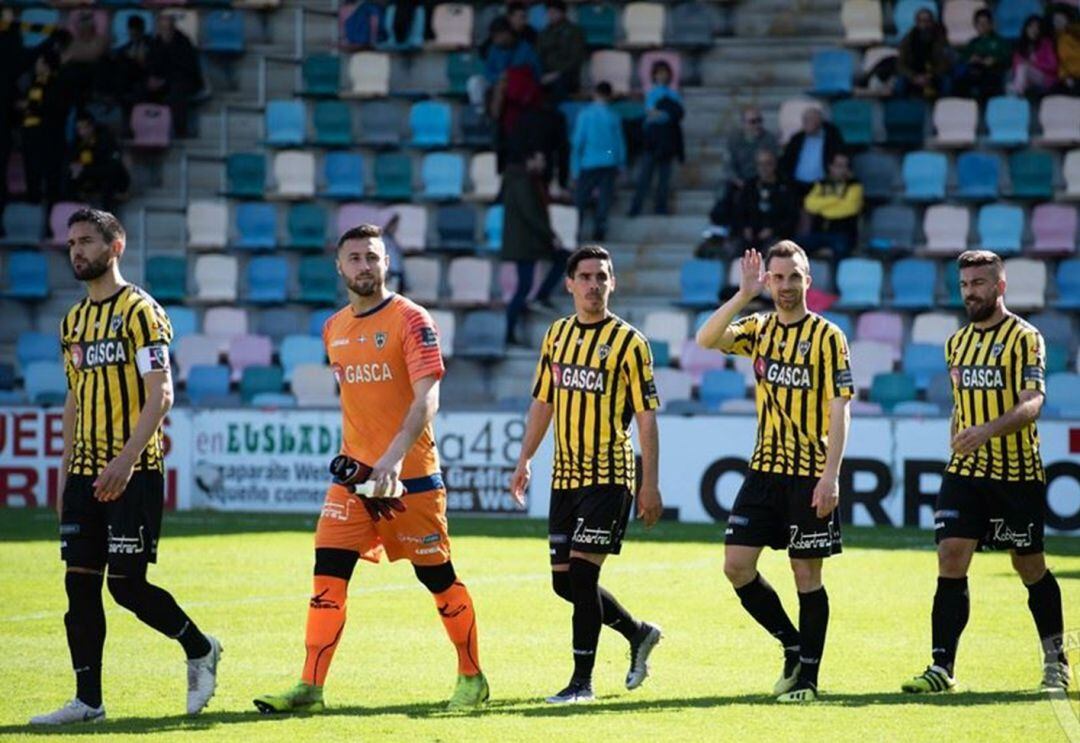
560	583
739	573
952	559
335	563
82	585
436	578
1030	568
807	575
125	591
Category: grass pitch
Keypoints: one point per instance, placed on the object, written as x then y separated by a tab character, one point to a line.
246	578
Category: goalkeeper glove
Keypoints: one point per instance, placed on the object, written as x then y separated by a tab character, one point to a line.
353	475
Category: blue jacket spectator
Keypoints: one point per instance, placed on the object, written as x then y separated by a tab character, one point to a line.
597	151
502	57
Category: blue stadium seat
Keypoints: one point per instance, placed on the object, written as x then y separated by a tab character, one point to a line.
256	380
854	117
120	26
286	123
277	322
940	391
245	175
7	377
661	353
183	321
700	282
300	349
841	320
321	74
344	175
912	281
1056	328
27	275
922	361
24	224
892	229
879	172
1001	228
598	23
1009	16
924	176
223	32
317	319
482	336
1032	174
456	227
858	281
256	226
1068	284
208	385
953	299
306	227
916	409
460	66
380	124
718	385
333	124
166	277
477	128
32	346
1063	393
833	71
429	122
46	383
904	14
905	122
393	176
415	37
888	390
1008	120
318	281
977	176
267	280
493	228
443	176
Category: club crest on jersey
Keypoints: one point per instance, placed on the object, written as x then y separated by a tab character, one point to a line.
579	378
996	349
380	339
803	348
116	322
603	351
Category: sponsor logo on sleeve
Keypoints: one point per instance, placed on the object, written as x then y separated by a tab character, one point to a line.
159	358
1032	374
842	378
428	337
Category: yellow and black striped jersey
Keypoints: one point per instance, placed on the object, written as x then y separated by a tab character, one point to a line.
989	368
597	376
107	347
800	368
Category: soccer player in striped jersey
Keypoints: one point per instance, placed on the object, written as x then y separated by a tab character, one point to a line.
993	491
789	497
593	379
112	476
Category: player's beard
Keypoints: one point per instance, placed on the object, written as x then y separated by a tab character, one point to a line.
92	270
365	286
788	301
980	309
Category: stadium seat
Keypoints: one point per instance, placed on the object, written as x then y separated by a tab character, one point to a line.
493	227
661	353
888	390
924	176
912	281
484	177
1032	174
946	228
415	37
460	66
597	21
692	25
1054	227
667	325
469	281
195	350
452	24
343	173
27	276
672	385
333	124
393	176
482	335
380	124
223	32
700	282
1062	393
933	327
151	126
32	346
868	359
892	229
24	224
215	278
858	281
879	172
841	320
278	322
977	176
294	174
306	226
447	328
208	385
1000	228
956	16
256	226
1009	17
313	386
422	276
430	124
285	123
922	361
119	30
643	25
1027	283
904	14
245	175
862	21
166	277
905	122
318	281
940	390
1059	118
410	227
1008	121
854	118
1056	328
317	319
477	128
614	67
225	323
182	319
720	385
46	383
260	380
350	215
916	409
369	75
248	350
833	71
321	75
564	222
267	280
697	361
456	227
955	121
442	175
300	349
791	113
953	299
1070	172
207	224
58	220
882	327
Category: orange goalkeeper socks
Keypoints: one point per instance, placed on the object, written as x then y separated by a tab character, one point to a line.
456	609
325	621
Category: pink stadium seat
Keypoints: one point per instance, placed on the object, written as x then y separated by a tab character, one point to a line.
469	281
225	323
613	66
882	327
648	59
956	16
152	126
195	350
353	214
1059	116
58	219
248	350
1054	228
452	24
695	360
946	229
955	120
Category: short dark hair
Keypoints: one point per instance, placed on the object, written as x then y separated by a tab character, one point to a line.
136	21
360	232
982	13
105	222
975	258
514	7
603	88
661	64
584	253
556	4
786	249
499	25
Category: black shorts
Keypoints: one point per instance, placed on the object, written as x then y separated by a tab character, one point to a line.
122	534
1001	515
775	511
591	519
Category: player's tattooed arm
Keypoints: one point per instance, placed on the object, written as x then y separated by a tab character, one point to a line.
425	405
827	491
716	332
536	426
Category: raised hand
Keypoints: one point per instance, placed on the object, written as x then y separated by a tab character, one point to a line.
752	278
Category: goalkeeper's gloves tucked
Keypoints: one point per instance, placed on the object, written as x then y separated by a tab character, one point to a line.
353	476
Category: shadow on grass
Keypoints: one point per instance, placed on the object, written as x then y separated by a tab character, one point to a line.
520	707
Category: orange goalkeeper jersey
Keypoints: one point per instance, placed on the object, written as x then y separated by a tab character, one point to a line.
376	358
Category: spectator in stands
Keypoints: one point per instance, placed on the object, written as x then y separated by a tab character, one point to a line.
562	51
880	80
175	75
1067	36
542	128
769	205
528	237
663	139
1034	59
597	151
44	113
743	146
363	25
132	69
983	61
79	63
810	150
398	31
505	51
833	206
924	58
517	15
13	60
95	167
